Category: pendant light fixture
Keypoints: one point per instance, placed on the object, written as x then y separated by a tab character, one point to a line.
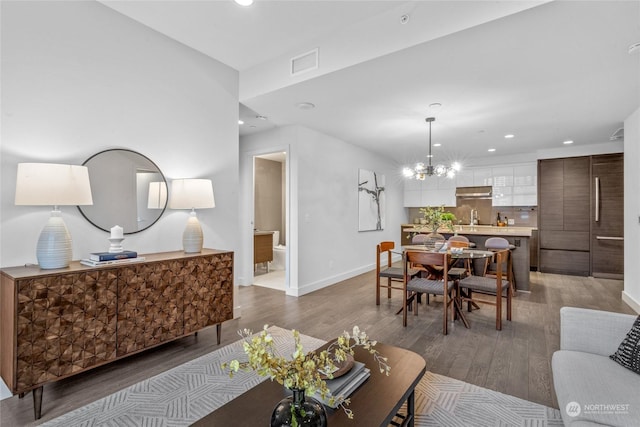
420	171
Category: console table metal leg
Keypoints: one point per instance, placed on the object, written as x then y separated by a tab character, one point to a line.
37	402
219	331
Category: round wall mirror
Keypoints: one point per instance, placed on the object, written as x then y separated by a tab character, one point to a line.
128	190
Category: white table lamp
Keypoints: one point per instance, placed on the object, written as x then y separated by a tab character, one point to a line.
192	194
54	185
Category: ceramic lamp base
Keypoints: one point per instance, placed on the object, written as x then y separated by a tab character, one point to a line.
192	237
54	248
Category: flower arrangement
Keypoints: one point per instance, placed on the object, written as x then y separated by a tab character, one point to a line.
437	217
303	371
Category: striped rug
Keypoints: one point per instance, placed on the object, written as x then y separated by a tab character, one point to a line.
184	394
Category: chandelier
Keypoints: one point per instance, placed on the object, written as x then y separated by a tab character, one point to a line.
420	171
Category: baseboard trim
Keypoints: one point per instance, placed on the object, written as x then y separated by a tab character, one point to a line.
631	302
332	280
328	281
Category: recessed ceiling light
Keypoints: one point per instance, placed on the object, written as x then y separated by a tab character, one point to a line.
404	19
435	106
261	117
491	150
437	145
305	105
240	122
509	136
244	2
634	47
567	142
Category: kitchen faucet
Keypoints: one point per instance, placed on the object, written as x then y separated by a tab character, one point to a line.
474	217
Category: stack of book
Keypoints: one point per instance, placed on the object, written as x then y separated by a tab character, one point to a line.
342	387
105	258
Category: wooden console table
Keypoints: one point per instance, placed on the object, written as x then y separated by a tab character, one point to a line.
58	323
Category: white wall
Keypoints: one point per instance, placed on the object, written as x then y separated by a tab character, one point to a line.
79	78
323	205
631	293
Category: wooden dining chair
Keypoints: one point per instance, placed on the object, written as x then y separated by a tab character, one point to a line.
385	270
415	285
431	271
456	271
496	244
490	290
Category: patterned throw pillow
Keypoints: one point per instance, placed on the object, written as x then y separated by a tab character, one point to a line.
628	354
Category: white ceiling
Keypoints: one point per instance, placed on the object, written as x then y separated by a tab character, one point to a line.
545	72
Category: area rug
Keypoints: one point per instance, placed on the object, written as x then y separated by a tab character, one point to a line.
185	394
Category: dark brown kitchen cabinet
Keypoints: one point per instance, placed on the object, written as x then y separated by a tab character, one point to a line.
564	215
607	216
571	240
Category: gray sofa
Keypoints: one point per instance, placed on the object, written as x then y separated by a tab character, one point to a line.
591	388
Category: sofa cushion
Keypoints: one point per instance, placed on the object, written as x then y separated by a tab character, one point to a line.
603	391
628	354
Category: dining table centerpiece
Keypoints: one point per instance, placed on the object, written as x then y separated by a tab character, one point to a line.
304	373
434	219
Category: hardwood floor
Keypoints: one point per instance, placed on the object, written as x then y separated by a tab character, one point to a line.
515	361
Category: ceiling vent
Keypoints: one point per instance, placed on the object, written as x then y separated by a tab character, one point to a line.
619	134
305	62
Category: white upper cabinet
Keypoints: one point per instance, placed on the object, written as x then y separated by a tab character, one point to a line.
513	185
464	178
525	184
482	176
502	186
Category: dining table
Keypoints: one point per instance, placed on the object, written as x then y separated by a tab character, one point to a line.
466	254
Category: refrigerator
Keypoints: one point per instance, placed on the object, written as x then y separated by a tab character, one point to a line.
607	216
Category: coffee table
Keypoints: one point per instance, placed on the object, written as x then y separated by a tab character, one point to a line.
375	403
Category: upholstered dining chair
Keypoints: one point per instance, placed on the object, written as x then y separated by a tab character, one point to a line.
490	290
415	285
385	270
496	244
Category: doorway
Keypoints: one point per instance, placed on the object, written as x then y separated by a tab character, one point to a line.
270	220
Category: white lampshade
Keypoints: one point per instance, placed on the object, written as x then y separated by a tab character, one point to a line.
157	195
192	194
51	184
55	185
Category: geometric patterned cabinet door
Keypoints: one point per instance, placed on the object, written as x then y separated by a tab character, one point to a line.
57	323
208	291
149	306
65	324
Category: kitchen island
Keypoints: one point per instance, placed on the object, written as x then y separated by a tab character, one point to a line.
517	236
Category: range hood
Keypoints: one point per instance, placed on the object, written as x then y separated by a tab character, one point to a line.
481	192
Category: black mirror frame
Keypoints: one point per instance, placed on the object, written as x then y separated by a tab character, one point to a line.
150	161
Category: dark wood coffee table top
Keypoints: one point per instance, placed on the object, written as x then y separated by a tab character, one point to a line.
374	403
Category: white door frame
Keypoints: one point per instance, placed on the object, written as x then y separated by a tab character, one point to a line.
247	216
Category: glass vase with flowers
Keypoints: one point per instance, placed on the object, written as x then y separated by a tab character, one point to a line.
304	373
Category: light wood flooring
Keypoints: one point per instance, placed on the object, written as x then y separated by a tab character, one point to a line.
514	361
